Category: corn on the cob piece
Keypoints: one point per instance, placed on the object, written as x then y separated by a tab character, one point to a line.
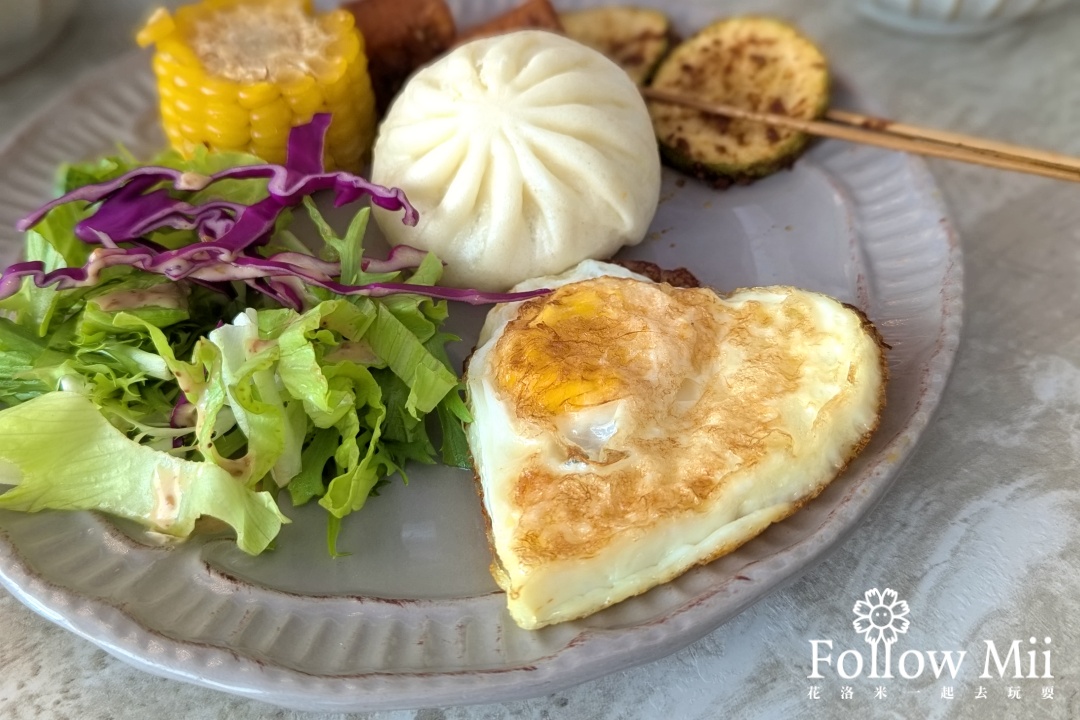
239	74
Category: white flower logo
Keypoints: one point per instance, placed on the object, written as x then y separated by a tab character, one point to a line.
881	616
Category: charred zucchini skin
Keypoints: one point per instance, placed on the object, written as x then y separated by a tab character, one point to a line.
636	39
755	62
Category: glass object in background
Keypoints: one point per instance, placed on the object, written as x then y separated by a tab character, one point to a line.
952	17
27	27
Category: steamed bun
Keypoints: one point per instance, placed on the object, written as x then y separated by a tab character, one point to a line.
524	153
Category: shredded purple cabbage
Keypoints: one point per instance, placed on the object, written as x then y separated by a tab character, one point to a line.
248	268
138	203
135	204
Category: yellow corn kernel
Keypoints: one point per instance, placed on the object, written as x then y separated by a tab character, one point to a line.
336	92
305	104
192	133
297	86
347	46
272	153
187	78
258	94
337	23
221	91
262	141
159	26
213	94
341	134
187	108
162	67
230	115
273	119
188	15
224	136
175	51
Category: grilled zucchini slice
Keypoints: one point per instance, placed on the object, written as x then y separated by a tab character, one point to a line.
637	39
757	63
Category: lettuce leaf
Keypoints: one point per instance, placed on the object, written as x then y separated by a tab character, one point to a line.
328	403
98	468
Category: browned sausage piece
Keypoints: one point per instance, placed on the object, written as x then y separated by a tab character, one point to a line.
531	14
399	37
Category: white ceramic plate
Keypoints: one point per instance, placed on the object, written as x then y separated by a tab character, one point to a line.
412	618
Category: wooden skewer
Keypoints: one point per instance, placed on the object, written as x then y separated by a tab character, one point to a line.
950	138
917	140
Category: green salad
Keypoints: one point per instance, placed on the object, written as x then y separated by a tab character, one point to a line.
170	350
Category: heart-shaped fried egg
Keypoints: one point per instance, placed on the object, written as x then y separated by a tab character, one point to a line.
625	430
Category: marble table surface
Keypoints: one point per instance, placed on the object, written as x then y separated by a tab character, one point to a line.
979	534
